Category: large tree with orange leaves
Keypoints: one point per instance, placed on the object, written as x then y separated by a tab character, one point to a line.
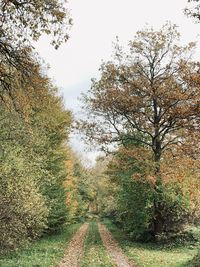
148	95
153	90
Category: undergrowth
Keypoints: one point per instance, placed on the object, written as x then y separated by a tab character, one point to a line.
46	252
175	254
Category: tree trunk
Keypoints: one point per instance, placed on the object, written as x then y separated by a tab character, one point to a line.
158	221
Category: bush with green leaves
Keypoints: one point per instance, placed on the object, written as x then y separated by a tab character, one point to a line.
174	209
135	208
136	199
23	212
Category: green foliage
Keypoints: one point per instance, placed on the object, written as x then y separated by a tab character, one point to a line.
34	125
135	208
53	124
134	198
95	193
81	194
138	197
23	212
32	164
56	202
174	208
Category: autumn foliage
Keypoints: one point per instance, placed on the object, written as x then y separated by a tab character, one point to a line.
34	125
148	96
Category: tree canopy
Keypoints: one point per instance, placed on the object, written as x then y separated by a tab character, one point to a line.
23	21
147	97
150	94
194	11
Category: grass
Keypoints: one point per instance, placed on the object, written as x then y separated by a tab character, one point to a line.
49	250
95	254
46	252
154	255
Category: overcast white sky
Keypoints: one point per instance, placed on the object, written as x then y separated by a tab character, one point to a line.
96	24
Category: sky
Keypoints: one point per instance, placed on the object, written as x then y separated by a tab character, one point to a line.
96	25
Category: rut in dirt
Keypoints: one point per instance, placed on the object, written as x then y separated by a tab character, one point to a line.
116	253
74	250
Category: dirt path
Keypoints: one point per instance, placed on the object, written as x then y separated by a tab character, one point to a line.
75	248
119	258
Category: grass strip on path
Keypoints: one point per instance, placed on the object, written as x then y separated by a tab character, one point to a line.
95	254
46	252
153	255
118	256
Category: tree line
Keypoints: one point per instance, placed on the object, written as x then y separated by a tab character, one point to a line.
34	125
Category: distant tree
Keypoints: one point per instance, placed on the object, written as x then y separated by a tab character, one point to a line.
149	95
103	197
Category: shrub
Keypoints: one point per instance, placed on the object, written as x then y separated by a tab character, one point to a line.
23	213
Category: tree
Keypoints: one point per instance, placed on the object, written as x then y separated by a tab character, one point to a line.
130	169
51	122
22	22
193	12
34	125
102	202
149	95
134	192
23	209
32	161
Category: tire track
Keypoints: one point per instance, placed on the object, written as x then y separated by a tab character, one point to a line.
74	250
